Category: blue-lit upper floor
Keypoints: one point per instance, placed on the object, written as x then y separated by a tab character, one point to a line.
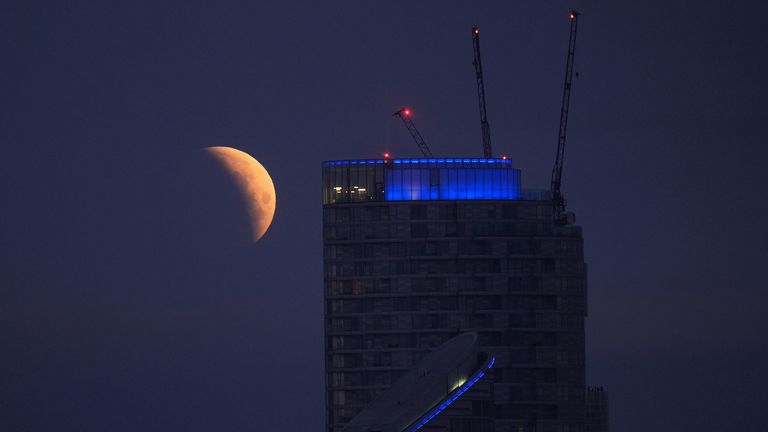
419	179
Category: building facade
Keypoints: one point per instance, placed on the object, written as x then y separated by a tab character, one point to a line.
419	250
596	410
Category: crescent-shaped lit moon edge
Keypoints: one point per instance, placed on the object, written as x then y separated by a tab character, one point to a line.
254	183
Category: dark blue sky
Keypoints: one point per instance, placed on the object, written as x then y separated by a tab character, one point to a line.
118	312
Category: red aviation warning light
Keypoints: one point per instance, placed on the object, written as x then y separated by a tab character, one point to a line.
386	155
405	116
572	15
476	30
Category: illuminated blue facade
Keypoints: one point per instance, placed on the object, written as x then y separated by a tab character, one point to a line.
419	180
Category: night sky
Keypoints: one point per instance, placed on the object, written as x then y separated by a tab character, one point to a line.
130	300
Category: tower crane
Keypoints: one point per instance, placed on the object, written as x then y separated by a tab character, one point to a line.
405	115
484	126
558	200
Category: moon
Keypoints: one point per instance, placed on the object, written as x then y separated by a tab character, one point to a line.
254	183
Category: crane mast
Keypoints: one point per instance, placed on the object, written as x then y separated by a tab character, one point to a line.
558	200
484	126
405	116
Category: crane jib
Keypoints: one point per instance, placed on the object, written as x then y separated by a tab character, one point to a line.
485	128
558	200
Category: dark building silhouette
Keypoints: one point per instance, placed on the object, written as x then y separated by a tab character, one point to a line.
419	250
597	410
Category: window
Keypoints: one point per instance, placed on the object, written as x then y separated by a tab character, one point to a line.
418	230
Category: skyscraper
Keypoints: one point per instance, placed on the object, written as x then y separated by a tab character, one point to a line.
418	250
596	410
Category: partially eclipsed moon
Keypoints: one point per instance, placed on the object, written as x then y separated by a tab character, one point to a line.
254	183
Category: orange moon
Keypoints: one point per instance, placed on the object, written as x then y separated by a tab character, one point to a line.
254	183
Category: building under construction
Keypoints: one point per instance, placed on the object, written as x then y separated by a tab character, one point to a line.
419	250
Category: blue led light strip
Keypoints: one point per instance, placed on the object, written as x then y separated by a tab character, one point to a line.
417	161
451	398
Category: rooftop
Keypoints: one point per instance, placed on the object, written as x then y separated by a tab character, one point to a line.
432	179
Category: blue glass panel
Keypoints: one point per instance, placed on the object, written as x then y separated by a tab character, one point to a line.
416	185
406	184
487	184
444	184
478	182
462	183
425	184
504	183
394	185
471	184
487	194
496	183
453	185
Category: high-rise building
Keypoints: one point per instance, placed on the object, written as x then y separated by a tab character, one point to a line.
419	250
596	410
